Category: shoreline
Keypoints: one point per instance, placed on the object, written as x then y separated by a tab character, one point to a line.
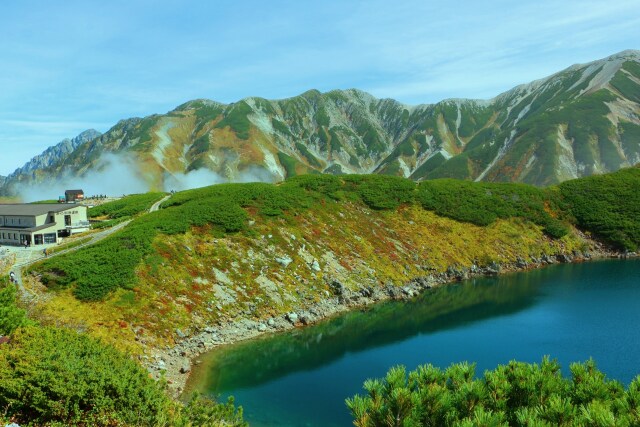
175	363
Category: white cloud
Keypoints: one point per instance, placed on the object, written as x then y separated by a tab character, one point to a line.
115	175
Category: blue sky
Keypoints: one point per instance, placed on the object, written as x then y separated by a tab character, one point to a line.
66	66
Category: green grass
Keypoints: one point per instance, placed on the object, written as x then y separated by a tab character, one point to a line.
311	159
43	202
322	118
236	118
200	145
626	86
127	206
288	163
281	127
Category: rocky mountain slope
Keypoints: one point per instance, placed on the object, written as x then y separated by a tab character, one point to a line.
581	121
34	169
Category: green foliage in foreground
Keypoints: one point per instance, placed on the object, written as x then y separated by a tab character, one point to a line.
57	377
517	394
127	206
607	205
11	317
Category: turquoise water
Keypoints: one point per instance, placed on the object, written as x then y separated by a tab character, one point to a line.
570	311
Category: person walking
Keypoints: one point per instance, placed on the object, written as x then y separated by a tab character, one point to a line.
44	252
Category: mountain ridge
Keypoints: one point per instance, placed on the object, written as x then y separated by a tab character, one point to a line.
580	121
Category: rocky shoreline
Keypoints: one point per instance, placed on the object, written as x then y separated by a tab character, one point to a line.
175	363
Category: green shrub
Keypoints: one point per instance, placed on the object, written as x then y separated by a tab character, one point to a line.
59	376
517	394
11	317
200	411
607	205
380	191
482	203
236	118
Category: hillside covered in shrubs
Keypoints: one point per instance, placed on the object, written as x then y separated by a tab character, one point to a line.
605	205
256	250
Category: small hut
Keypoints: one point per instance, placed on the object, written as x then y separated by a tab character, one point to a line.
74	195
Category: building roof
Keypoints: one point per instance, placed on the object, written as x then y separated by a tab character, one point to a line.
34	209
74	192
40	227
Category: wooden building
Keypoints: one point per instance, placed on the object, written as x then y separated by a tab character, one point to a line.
38	224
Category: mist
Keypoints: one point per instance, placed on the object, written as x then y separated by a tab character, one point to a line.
120	174
114	175
204	177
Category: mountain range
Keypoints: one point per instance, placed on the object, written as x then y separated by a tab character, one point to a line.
581	121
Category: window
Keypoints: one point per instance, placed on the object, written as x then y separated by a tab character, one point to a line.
50	238
67	220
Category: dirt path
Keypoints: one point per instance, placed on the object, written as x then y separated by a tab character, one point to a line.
157	204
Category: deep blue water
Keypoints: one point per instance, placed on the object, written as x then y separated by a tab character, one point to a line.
571	312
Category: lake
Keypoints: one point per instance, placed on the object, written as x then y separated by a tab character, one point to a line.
570	311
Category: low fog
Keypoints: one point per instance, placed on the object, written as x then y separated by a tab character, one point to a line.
116	175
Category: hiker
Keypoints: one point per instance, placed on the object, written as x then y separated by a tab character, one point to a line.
44	252
26	244
12	277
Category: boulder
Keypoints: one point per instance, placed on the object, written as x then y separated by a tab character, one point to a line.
546	259
564	258
292	317
284	260
337	287
305	319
